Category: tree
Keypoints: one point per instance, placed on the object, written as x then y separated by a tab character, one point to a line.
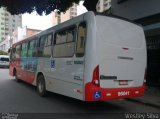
3	53
43	6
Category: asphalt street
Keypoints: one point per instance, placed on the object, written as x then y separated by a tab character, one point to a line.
22	98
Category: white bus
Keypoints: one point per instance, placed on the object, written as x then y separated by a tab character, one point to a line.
91	58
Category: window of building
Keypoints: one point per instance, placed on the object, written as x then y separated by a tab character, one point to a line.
2	18
7	29
2	38
2	28
6	24
64	43
82	31
6	14
6	19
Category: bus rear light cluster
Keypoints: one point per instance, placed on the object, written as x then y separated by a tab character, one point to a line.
95	78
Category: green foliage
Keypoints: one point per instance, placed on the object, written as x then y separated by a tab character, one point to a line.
43	6
3	53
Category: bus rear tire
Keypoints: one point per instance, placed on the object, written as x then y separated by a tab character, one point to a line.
41	87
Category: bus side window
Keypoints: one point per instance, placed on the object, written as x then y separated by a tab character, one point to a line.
34	51
30	48
24	50
64	43
18	51
12	55
41	46
47	47
81	39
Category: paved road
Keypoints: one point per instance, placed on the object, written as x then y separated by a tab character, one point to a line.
23	98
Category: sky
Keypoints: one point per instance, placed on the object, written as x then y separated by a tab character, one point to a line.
35	21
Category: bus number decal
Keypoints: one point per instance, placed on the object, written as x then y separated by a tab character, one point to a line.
123	93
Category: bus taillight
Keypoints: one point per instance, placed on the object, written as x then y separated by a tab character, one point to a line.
95	78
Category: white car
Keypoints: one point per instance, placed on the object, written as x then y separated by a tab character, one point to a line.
4	61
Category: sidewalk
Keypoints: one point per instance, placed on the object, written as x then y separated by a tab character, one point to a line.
151	97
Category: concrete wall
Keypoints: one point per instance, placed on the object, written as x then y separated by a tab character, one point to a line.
135	9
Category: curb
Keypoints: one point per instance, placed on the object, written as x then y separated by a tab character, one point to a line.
144	102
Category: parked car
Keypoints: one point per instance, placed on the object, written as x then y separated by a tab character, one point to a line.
4	61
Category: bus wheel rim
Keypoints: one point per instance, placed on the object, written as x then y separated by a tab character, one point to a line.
40	86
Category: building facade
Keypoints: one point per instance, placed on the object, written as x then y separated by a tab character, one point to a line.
18	35
62	17
103	5
8	23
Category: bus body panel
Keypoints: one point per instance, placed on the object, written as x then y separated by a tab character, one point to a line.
63	77
120	54
90	48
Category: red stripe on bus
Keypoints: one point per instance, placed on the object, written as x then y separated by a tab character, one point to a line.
111	93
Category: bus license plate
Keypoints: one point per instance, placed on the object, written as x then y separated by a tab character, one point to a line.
123	82
123	93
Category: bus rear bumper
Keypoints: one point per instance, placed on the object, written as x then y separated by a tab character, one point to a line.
94	93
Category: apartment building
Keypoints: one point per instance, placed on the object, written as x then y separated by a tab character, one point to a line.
8	23
103	5
19	34
59	18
